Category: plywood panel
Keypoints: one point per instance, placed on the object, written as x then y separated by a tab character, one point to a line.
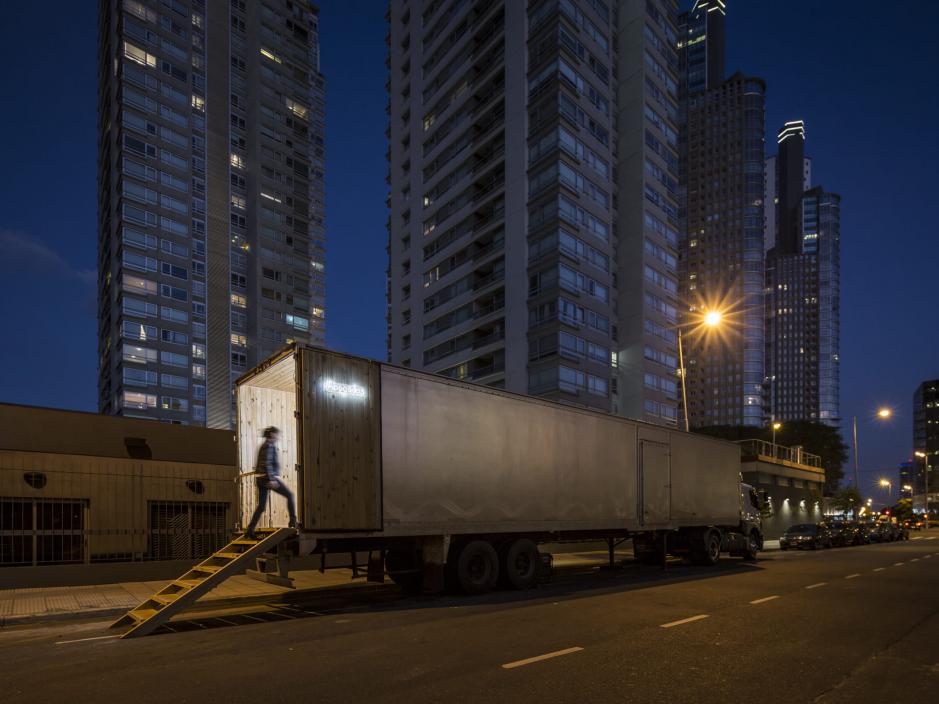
259	408
341	442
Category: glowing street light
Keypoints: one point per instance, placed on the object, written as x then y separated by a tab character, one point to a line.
920	453
776	426
711	319
886	484
883	413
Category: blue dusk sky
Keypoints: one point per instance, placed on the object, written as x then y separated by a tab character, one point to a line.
861	74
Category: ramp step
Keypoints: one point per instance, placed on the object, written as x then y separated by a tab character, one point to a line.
200	579
140	615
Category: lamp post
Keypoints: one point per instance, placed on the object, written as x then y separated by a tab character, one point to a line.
776	426
925	456
888	485
711	319
883	413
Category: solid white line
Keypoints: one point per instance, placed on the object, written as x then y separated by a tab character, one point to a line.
765	598
539	658
684	620
852	576
82	640
816	585
879	569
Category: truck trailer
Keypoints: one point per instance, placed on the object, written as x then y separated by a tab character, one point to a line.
445	482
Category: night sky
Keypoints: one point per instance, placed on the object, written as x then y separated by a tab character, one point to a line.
861	74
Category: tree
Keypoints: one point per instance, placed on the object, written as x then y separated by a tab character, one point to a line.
902	510
847	500
817	438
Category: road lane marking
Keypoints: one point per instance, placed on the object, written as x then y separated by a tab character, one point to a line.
684	620
926	557
915	559
931	537
898	564
918	537
852	576
765	598
879	569
82	640
816	585
539	658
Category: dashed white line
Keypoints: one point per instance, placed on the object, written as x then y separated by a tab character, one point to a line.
898	564
82	640
879	569
764	599
539	658
816	585
852	576
926	557
915	559
684	620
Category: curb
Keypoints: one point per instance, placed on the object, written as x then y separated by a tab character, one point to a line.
217	604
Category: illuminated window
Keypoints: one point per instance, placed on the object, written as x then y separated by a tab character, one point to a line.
239	340
138	284
135	399
239	301
198	103
270	55
296	108
198	351
138	355
135	53
237	161
198	371
239	202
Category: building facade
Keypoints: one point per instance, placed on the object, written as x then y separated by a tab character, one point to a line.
802	290
926	438
532	173
721	253
211	202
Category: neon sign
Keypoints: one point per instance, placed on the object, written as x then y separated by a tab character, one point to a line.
344	390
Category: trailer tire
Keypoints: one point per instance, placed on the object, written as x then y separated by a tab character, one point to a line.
476	568
519	562
405	569
709	549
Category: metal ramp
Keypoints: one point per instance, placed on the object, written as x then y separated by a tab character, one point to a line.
181	593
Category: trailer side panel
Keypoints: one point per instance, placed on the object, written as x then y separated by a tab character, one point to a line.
459	459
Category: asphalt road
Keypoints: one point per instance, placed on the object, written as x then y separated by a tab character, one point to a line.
845	625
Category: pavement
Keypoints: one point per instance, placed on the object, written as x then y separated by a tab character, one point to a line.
31	605
854	625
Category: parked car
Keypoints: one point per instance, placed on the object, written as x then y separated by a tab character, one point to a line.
842	533
810	536
862	534
886	532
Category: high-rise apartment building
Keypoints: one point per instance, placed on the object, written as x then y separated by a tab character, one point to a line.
926	437
533	225
802	289
722	247
210	172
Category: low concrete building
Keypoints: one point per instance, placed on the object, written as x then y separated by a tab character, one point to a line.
81	487
791	479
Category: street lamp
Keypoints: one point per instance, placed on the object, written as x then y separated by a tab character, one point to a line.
711	319
883	413
885	483
776	426
925	456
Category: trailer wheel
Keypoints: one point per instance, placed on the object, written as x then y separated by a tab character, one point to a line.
709	549
519	561
405	569
476	568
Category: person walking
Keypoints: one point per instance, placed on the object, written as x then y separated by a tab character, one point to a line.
268	469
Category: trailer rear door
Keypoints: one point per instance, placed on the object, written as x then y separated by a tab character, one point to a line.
655	482
341	442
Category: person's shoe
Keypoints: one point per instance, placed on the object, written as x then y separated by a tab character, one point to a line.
249	535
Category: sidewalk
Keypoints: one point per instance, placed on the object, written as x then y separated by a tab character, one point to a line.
106	600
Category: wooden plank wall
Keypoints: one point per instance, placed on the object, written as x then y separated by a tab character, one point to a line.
259	408
342	443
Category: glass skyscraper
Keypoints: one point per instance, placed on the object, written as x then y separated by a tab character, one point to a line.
211	222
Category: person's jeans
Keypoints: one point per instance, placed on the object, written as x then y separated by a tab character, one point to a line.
263	493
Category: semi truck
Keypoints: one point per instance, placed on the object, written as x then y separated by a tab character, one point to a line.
445	483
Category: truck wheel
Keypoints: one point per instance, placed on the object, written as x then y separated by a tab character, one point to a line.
405	569
476	569
519	561
753	546
709	551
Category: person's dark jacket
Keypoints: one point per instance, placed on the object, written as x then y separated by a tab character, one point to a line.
268	462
